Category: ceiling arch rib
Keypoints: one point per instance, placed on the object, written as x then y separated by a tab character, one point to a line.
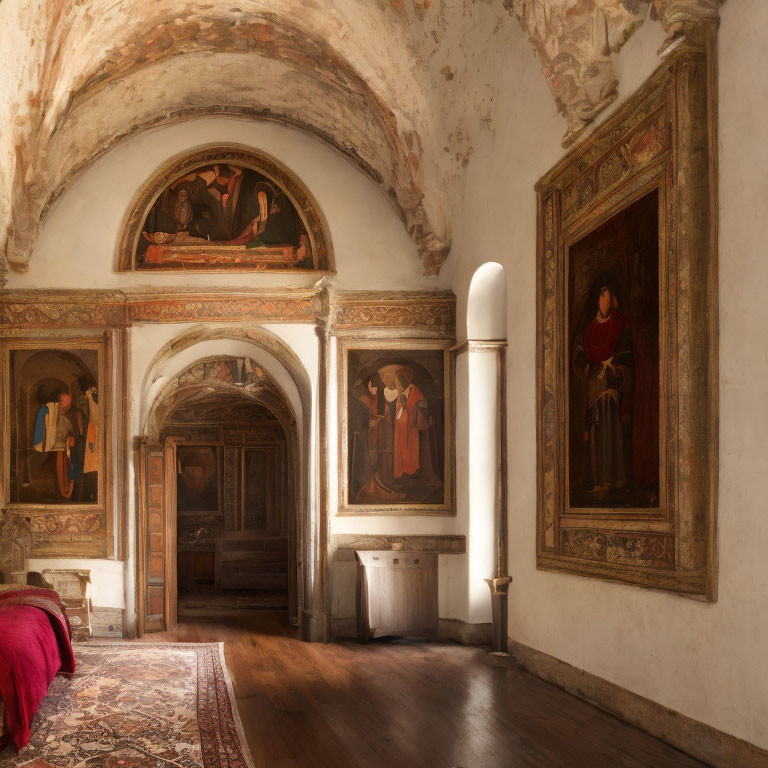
266	68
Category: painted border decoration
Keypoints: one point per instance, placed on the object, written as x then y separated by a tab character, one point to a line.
429	313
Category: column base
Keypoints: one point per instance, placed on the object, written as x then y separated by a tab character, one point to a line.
499	587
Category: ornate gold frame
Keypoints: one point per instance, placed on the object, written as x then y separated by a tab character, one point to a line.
297	193
448	507
672	548
53	543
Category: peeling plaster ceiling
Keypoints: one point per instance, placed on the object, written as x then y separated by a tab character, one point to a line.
363	75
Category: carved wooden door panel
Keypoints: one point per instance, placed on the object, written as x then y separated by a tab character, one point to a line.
157	537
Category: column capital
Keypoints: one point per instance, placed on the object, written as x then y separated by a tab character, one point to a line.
680	17
499	585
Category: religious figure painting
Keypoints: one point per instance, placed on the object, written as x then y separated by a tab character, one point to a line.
614	361
221	211
396	428
56	426
197	489
626	341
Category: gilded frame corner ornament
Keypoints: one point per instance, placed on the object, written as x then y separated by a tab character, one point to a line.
671	548
448	507
299	196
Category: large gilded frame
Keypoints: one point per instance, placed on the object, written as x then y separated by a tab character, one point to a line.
447	508
673	547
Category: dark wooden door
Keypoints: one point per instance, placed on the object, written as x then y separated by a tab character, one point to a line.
157	537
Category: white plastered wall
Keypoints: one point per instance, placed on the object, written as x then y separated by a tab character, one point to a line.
706	661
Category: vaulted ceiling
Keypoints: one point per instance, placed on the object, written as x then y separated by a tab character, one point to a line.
79	76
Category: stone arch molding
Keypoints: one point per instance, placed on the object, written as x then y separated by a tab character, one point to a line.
279	362
201	380
289	382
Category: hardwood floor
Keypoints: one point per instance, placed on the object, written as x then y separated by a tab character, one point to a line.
408	705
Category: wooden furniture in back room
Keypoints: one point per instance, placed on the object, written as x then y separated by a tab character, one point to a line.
396	594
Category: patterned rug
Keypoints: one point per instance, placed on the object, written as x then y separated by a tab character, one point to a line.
136	705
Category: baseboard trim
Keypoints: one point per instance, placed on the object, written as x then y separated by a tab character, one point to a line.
701	741
461	632
447	630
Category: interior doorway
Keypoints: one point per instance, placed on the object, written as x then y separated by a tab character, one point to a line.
218	520
231	524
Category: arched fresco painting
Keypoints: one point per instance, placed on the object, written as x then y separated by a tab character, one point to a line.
224	209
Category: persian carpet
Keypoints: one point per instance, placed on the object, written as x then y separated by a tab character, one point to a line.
137	705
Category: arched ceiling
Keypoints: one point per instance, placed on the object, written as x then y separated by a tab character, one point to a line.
78	76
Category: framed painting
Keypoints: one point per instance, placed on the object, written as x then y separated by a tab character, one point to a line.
55	409
225	208
626	342
198	479
396	427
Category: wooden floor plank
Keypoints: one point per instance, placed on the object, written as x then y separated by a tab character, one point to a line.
411	705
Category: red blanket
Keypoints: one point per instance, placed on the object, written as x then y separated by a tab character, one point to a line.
34	647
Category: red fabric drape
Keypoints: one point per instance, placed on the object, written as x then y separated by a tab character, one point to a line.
34	646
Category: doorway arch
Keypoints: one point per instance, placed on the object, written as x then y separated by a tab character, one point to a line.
282	387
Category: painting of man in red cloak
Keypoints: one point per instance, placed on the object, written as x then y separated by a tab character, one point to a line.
395	422
412	451
614	362
603	357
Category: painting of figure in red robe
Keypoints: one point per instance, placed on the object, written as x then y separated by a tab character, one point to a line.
56	432
222	215
614	362
396	427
